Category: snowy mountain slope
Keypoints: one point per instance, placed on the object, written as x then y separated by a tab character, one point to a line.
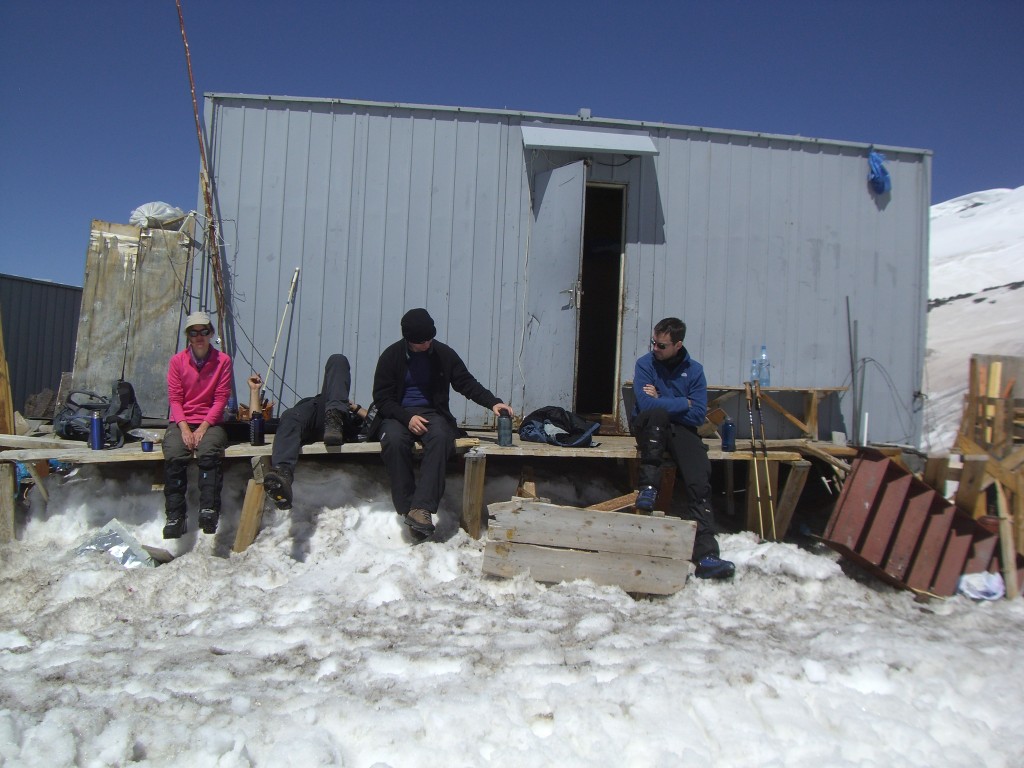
976	288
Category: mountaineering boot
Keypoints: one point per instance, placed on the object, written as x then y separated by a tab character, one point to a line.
277	482
711	567
208	520
334	424
646	498
211	479
175	527
420	521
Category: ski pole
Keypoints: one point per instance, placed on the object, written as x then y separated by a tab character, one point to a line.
753	456
764	450
284	314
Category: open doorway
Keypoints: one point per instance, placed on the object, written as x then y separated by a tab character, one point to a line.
597	352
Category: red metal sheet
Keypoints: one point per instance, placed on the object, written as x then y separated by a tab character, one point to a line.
857	500
908	533
878	536
951	564
933	540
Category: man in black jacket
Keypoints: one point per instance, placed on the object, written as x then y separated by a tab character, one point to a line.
411	389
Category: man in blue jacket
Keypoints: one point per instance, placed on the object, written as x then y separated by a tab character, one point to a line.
411	388
671	403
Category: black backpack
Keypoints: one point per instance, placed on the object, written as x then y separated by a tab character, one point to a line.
120	412
571	429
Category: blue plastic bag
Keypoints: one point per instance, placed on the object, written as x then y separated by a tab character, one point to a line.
878	176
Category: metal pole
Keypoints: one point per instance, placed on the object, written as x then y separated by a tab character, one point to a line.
284	314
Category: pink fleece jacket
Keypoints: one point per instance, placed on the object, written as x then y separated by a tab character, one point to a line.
199	395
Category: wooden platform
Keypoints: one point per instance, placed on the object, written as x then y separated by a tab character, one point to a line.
476	448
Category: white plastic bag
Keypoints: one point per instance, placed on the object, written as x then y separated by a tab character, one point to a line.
156	216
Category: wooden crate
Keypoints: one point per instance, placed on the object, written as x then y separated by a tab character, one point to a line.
554	543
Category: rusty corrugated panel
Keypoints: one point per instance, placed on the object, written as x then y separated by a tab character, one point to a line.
893	524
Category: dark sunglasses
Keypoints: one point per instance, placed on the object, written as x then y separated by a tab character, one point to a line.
201	332
659	345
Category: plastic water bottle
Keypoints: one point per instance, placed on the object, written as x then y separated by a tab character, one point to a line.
765	373
96	431
755	371
728	435
504	429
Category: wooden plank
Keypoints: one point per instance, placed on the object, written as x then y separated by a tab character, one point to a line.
1007	545
7	425
935	469
616	504
551	525
971	478
527	485
804	429
8	489
633	573
473	493
251	517
791	491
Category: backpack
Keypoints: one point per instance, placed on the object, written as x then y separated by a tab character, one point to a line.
558	426
121	413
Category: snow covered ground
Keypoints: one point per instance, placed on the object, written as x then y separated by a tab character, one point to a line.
977	270
332	641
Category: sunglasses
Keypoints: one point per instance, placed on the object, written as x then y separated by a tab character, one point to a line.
200	332
659	345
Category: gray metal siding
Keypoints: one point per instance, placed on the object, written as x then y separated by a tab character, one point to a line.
40	322
751	239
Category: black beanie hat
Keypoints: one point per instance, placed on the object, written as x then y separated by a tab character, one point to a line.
418	326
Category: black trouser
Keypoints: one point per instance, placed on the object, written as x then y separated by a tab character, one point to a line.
303	423
396	443
654	435
176	459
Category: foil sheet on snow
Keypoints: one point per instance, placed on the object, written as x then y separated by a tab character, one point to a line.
119	544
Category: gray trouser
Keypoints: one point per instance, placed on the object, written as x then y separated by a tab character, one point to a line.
208	458
303	423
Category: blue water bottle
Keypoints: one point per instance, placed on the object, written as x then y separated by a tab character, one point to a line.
256	430
96	431
728	435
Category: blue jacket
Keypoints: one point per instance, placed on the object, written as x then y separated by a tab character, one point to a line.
682	390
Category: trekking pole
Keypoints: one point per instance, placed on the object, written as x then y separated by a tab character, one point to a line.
753	456
764	450
284	314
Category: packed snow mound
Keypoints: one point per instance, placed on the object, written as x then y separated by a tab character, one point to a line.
977	242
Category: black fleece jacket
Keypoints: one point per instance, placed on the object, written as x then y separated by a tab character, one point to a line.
447	372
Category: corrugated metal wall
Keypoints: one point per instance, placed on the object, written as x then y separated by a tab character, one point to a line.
40	322
750	239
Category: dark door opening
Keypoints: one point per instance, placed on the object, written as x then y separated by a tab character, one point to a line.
601	284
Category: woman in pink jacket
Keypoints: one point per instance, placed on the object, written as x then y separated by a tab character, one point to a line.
198	387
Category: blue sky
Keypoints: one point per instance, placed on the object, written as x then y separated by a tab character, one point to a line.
97	117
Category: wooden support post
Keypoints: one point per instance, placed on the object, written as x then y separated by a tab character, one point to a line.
252	506
794	486
972	476
39	471
8	489
935	469
1007	546
473	493
527	485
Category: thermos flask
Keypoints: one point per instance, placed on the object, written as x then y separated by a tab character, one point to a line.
96	431
504	429
728	435
256	427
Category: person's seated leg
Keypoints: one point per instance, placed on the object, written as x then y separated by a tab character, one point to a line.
652	431
335	395
176	460
438	450
277	482
396	443
209	455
